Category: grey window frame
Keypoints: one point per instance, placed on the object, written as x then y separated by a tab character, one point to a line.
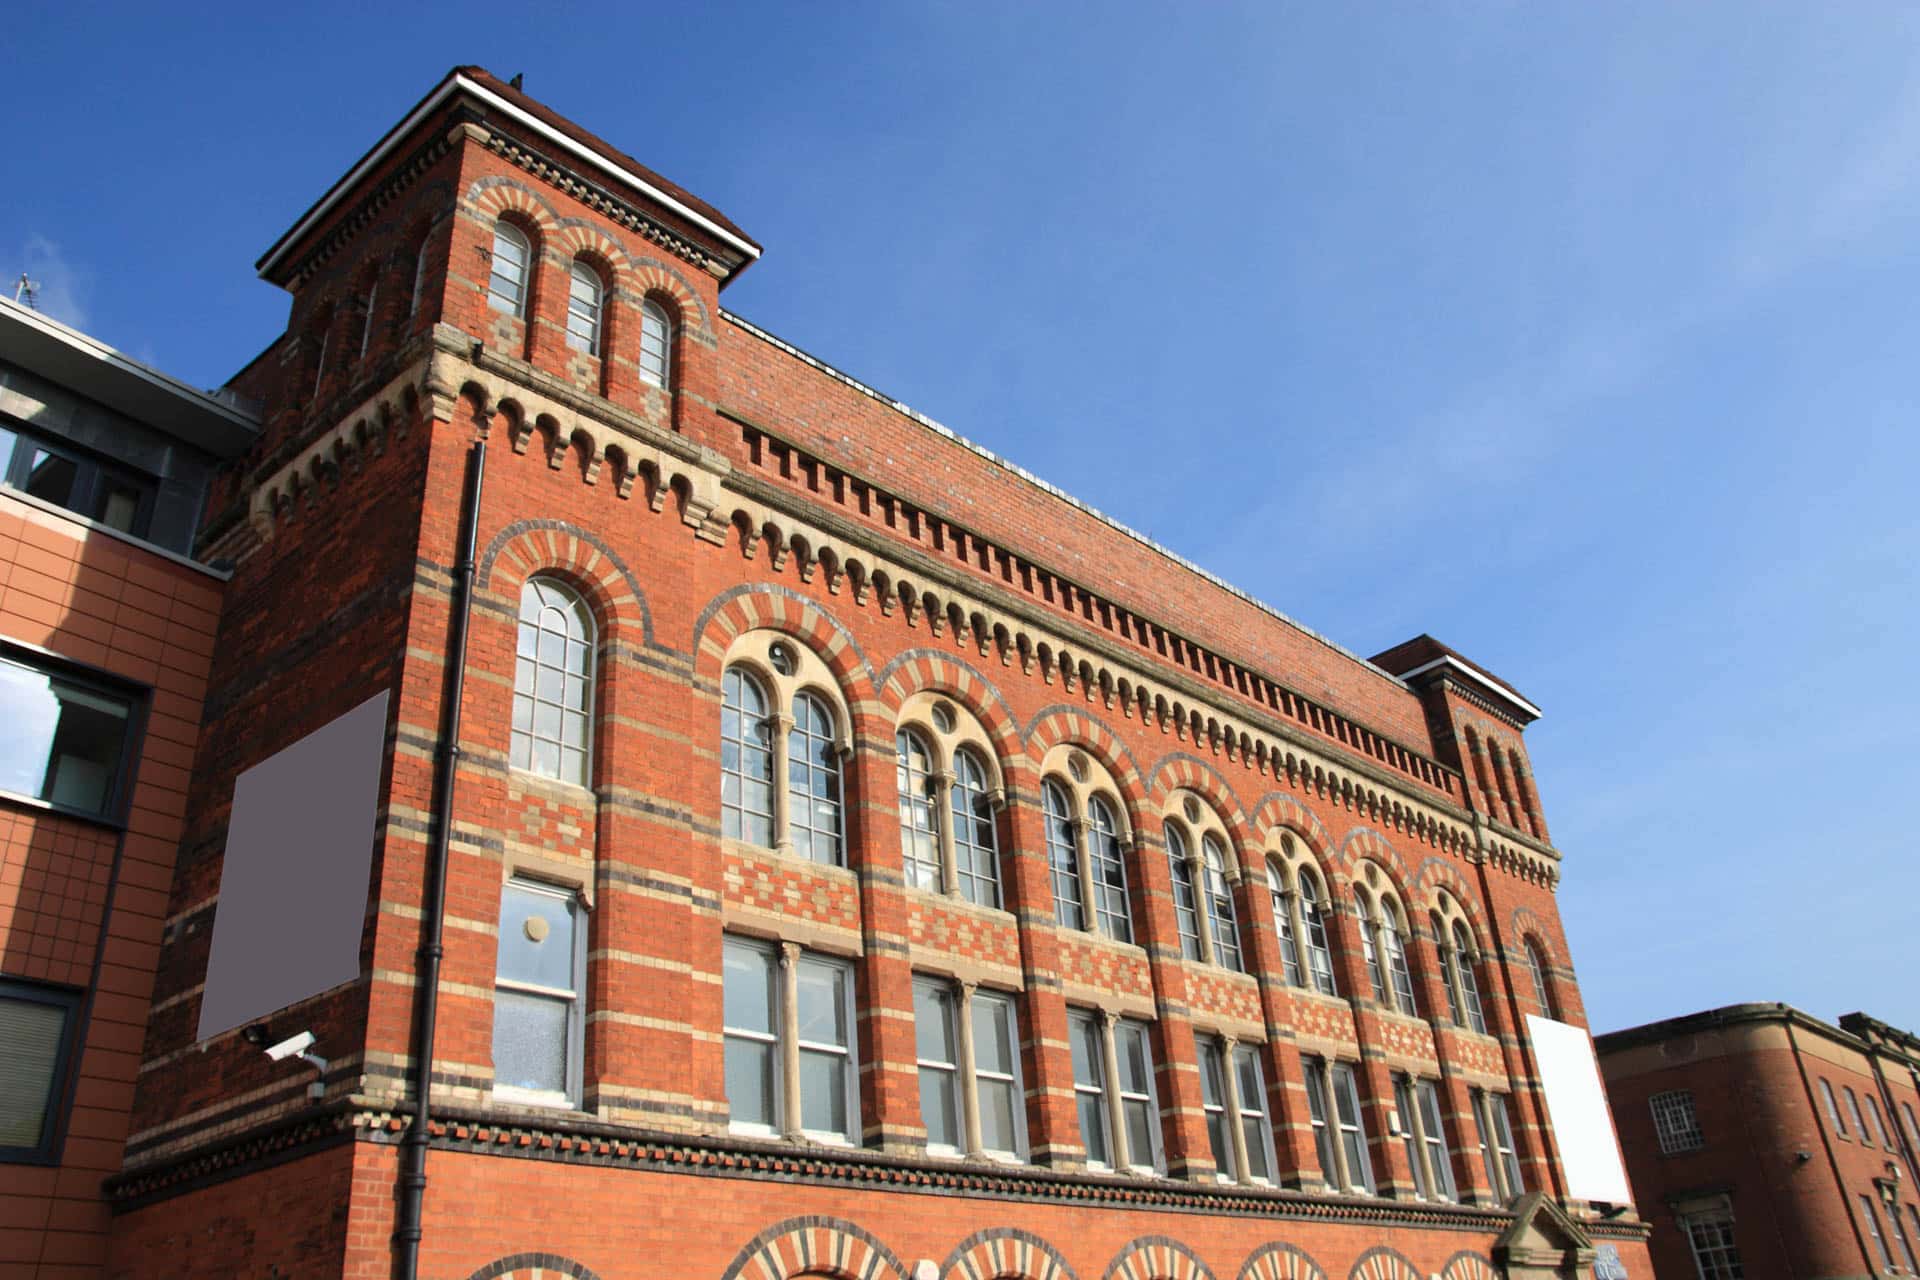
1675	1122
57	1109
1832	1106
119	789
575	1048
93	476
1713	1259
1872	1217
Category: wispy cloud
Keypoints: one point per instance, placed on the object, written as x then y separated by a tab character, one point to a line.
61	286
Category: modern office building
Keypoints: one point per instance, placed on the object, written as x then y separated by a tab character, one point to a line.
1765	1143
106	631
799	841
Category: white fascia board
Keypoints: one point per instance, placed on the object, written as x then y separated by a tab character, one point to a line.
458	84
1497	689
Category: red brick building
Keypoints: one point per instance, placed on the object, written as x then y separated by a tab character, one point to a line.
842	853
1765	1143
106	632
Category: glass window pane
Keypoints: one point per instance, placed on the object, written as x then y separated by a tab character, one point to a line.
822	1002
1093	1128
1136	1069
748	989
536	937
51	476
63	742
1086	1052
939	1107
530	1041
992	1035
750	1080
998	1131
30	1035
933	1023
1140	1148
823	1092
117	505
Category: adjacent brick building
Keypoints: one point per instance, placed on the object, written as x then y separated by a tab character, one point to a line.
863	859
106	632
1766	1143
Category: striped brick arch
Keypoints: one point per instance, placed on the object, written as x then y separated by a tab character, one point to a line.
652	276
528	547
818	1246
1468	1266
533	1266
1437	872
923	670
1061	723
1277	809
491	197
1156	1258
765	605
1005	1252
1382	1263
1365	842
1180	771
1278	1261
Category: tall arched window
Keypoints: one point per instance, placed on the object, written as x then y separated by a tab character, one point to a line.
583	308
512	267
656	344
919	817
1278	894
1368	950
1224	925
1393	942
1186	905
369	304
1109	871
746	760
1537	964
976	843
553	683
1063	859
1313	923
419	277
1463	962
813	781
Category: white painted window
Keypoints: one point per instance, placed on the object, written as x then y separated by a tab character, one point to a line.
1313	921
936	1037
976	840
369	305
1874	1123
512	264
537	1015
1087	1040
1396	948
1063	859
1833	1110
1321	1116
746	760
790	1065
1223	923
1139	1105
1186	908
1109	871
919	813
1871	1220
1278	895
584	292
553	684
656	344
1353	1132
1715	1256
1434	1135
813	781
1369	952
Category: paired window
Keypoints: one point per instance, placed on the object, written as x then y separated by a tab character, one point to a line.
1233	1094
1458	962
1497	1153
1900	1236
1383	946
1873	1121
1203	899
553	684
948	837
66	739
804	816
1871	1220
1339	1133
1300	917
968	1045
790	1067
1085	862
1853	1111
512	270
1674	1122
538	1018
584	292
1113	1092
1710	1235
56	472
656	344
37	1026
1833	1111
1417	1111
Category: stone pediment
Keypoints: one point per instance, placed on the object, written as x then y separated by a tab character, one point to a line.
1543	1243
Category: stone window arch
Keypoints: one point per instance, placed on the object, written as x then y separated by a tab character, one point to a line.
553	679
1087	842
784	739
950	789
1299	893
1204	874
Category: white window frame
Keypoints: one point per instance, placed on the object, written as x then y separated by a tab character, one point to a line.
782	963
1369	947
1716	1255
921	811
974	1001
519	282
785	741
1879	1127
1853	1114
1319	1117
419	278
531	669
585	313
1157	1160
1087	1046
1430	1126
1281	902
574	1049
1497	1152
1186	895
368	305
1351	1122
1313	931
1675	1123
972	789
656	345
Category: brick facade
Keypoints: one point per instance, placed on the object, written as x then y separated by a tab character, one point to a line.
1768	1156
762	494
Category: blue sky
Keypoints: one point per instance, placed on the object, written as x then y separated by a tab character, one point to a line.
1579	336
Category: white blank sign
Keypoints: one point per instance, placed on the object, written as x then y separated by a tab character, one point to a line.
293	887
1577	1105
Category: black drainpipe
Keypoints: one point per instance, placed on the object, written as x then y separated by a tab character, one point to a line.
413	1148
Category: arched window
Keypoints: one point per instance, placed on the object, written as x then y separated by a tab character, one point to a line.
512	266
368	304
919	817
1463	956
1109	871
976	843
746	760
1186	906
1279	894
1537	965
1223	924
1313	924
1063	859
553	683
1393	942
1368	950
583	308
813	781
419	277
656	344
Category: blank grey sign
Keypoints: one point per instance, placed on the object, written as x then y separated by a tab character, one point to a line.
293	890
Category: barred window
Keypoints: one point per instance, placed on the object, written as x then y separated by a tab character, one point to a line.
553	684
1674	1122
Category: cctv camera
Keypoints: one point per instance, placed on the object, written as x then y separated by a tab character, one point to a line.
289	1047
